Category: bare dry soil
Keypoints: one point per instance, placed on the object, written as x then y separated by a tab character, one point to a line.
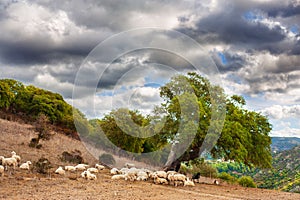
30	185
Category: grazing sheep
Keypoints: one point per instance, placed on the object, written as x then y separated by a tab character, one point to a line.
189	182
178	179
115	171
129	165
8	162
118	177
1	170
196	177
81	167
158	180
60	171
70	168
131	176
160	174
99	167
25	165
88	175
93	170
142	176
17	157
124	170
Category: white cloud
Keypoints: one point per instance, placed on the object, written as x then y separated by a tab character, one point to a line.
281	112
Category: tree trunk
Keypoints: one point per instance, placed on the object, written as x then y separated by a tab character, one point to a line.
188	155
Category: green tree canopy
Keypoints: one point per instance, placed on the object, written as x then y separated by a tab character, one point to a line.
244	137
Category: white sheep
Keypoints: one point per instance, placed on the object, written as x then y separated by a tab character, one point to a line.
93	170
129	165
115	171
131	176
8	162
216	182
99	167
1	170
81	167
60	171
178	179
17	157
88	175
70	168
25	165
188	182
124	170
118	177
160	174
158	180
142	176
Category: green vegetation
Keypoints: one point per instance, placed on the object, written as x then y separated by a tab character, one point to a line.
244	137
246	181
227	177
30	102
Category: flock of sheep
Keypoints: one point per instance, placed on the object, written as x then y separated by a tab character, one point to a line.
12	161
158	177
129	172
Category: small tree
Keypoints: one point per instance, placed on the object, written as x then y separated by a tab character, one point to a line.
42	127
42	165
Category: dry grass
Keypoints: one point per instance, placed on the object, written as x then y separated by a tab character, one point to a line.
28	185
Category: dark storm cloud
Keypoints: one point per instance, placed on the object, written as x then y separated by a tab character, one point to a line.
231	27
290	10
232	62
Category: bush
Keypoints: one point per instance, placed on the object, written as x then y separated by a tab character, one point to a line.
73	157
227	177
42	165
107	159
246	181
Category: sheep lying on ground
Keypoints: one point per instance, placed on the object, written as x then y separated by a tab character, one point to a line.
99	167
8	162
81	167
1	170
93	170
115	171
118	177
70	168
88	175
60	171
25	165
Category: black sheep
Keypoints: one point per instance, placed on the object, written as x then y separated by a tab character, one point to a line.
196	176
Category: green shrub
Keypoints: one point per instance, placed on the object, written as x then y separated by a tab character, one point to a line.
107	159
227	177
246	181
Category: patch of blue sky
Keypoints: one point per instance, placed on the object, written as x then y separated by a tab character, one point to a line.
252	16
294	29
223	58
106	93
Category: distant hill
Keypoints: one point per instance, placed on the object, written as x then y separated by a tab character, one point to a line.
285	174
284	143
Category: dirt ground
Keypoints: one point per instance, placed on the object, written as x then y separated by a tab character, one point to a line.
29	185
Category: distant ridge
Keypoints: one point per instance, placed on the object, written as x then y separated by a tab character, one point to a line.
284	143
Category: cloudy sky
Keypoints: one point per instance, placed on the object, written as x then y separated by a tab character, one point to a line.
255	45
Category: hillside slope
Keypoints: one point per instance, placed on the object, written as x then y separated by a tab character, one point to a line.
30	185
284	143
